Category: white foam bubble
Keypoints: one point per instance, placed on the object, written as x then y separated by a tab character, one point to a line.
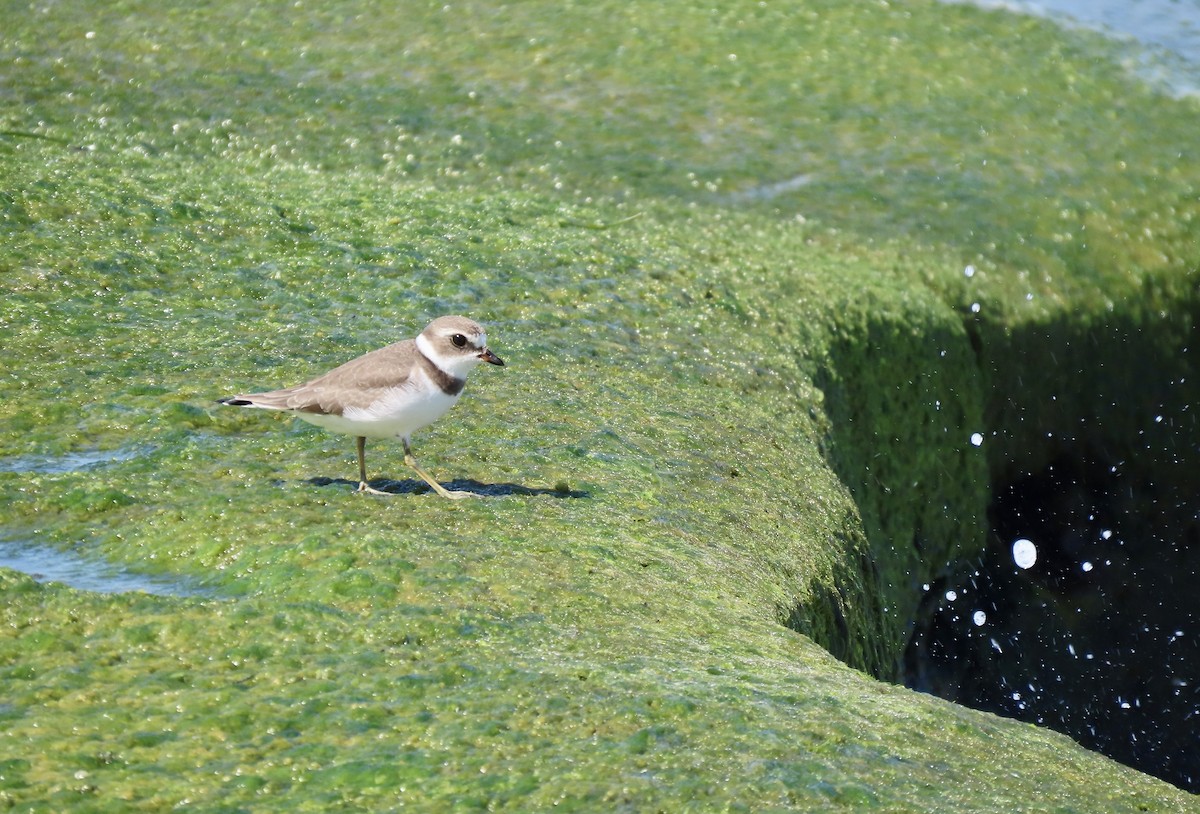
1024	553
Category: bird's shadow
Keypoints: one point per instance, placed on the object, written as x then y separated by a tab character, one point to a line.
414	486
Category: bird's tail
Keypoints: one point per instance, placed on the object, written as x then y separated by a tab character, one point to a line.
275	400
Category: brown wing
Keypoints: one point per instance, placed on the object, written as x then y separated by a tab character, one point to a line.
357	383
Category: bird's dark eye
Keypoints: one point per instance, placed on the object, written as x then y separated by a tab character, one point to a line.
459	341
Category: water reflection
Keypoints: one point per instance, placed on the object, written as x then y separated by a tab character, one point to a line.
46	564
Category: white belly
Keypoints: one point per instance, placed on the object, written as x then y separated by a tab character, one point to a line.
398	413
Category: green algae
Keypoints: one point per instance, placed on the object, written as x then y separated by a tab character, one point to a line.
736	399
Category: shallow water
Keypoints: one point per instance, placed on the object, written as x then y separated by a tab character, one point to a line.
70	462
46	564
1169	30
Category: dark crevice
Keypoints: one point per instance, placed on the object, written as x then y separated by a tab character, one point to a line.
1094	460
959	436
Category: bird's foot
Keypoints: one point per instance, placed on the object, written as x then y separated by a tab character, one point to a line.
434	485
363	486
455	494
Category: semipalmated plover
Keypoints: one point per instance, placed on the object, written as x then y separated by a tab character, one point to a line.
390	392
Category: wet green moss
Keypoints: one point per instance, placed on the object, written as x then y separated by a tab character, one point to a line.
717	395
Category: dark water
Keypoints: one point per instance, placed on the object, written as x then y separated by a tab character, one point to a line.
1083	615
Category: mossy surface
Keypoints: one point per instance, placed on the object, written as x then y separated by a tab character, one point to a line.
737	399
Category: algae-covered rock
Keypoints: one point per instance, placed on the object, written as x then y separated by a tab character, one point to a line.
722	251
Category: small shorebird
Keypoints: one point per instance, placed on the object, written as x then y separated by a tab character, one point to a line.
390	392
